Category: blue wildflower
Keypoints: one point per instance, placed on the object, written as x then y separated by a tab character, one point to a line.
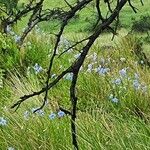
117	81
102	70
26	115
37	68
3	122
90	67
60	114
136	84
113	99
94	56
69	76
52	116
38	112
17	38
136	76
8	29
123	72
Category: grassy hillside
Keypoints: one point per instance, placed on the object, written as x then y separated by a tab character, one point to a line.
113	89
88	15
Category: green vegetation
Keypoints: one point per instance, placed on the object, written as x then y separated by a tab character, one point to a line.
113	89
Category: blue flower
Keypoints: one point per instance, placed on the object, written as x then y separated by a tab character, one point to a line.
136	84
38	112
113	99
136	76
123	72
102	71
17	38
52	116
94	56
8	29
37	68
3	122
69	76
117	81
61	113
90	67
26	115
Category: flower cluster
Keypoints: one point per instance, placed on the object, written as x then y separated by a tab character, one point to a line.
53	115
68	76
90	68
3	122
117	81
137	85
113	99
102	70
123	72
37	68
26	115
16	37
65	44
39	112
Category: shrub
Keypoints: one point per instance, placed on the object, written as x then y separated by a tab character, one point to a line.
9	53
141	25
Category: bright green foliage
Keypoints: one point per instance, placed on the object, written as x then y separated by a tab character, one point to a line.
142	25
8	7
9	53
102	124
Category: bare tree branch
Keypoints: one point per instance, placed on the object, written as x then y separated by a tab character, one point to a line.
76	65
72	46
70	15
68	4
134	9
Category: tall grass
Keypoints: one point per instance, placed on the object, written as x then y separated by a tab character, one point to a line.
102	122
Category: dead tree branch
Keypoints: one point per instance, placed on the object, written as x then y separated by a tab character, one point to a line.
76	65
70	15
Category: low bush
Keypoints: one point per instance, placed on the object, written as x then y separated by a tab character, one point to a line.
141	25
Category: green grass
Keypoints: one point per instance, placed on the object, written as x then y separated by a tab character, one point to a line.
84	21
101	123
88	15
